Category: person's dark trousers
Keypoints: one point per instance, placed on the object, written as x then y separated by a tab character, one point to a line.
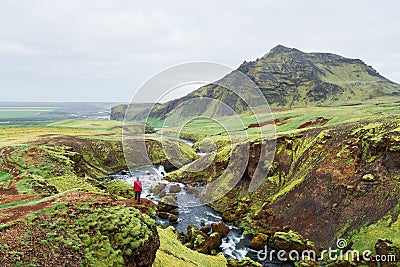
137	196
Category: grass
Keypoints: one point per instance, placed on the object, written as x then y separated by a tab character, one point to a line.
287	121
24	203
367	236
5	176
22	112
88	124
26	134
91	129
173	253
70	182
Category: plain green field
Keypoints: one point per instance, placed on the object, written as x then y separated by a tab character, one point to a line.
23	112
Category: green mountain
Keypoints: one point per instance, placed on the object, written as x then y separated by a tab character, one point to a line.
291	78
288	78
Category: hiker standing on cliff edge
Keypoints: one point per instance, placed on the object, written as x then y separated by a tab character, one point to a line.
137	185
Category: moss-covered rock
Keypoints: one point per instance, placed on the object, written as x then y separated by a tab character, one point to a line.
214	241
220	228
259	241
107	236
316	178
119	188
368	177
196	239
173	253
287	241
145	150
308	263
245	262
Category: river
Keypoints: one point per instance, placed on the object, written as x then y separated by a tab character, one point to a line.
193	211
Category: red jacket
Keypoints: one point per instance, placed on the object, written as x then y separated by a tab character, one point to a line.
137	185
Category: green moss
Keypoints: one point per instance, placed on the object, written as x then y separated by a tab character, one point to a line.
289	237
368	177
173	253
119	188
367	236
107	236
68	182
199	240
162	151
5	176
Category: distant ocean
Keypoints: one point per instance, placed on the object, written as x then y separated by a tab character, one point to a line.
42	113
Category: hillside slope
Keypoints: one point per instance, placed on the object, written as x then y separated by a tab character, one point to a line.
325	183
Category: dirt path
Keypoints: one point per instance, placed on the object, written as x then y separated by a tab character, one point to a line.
15	213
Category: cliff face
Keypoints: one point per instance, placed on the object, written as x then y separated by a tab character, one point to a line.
118	112
137	111
289	77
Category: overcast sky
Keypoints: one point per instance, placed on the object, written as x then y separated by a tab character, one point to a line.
103	50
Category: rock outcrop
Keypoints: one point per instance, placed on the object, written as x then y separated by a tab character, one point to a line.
202	242
220	228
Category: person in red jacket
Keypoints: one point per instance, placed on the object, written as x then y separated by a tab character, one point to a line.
137	185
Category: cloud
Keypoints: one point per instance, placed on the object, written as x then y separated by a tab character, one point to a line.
103	50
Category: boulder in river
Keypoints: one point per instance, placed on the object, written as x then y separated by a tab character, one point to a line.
167	204
220	228
196	239
205	229
172	195
214	241
157	188
259	241
174	211
163	193
163	215
172	218
191	190
175	188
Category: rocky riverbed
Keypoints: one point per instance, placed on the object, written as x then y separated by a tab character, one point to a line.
180	207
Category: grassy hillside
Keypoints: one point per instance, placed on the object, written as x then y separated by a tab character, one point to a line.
52	199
